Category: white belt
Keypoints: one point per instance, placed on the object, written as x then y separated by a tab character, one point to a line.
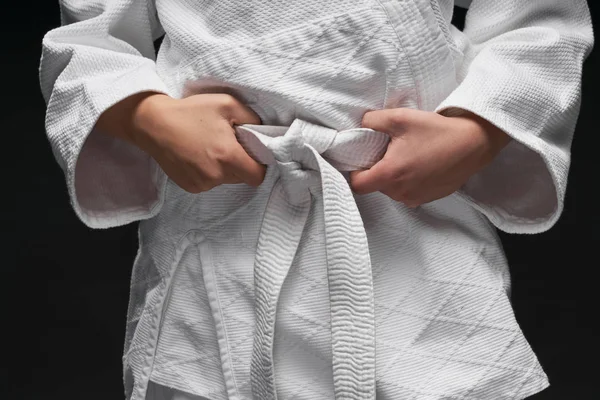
309	158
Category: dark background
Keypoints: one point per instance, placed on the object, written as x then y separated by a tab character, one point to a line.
65	287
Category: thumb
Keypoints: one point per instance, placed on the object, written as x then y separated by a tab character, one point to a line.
238	113
393	121
246	168
371	180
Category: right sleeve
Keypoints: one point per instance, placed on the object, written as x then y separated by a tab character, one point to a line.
102	53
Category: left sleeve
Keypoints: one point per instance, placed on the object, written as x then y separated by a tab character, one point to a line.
522	72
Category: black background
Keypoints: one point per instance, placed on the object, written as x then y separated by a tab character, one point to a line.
65	287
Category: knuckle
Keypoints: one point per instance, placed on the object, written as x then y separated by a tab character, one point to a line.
387	175
403	174
397	117
223	154
398	178
223	157
213	177
227	102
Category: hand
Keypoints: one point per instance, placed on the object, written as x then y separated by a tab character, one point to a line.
193	139
429	156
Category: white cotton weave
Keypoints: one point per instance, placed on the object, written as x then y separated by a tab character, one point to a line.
298	289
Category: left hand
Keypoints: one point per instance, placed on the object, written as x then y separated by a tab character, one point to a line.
429	156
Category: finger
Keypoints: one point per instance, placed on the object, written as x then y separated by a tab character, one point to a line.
237	113
246	168
371	180
392	121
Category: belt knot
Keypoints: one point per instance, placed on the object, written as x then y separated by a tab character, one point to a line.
310	157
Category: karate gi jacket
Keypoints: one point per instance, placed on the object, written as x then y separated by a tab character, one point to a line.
299	289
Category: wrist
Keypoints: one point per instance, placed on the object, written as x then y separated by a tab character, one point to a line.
131	118
491	138
146	114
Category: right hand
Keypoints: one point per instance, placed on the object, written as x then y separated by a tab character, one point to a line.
193	139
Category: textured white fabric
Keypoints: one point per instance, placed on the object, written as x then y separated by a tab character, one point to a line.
211	265
304	173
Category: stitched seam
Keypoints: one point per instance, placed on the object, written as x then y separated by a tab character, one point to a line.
496	361
462	360
449	320
401	44
186	382
157	311
442	281
308	386
343	66
531	371
457	346
325	63
377	269
182	379
396	305
135	346
258	41
443	25
306	60
285	308
449	296
220	310
389	73
308	46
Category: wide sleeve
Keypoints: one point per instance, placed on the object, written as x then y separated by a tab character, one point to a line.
102	53
522	72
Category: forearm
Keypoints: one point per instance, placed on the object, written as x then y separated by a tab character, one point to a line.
491	138
131	117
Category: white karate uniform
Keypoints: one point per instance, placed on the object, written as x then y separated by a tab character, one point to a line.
299	289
